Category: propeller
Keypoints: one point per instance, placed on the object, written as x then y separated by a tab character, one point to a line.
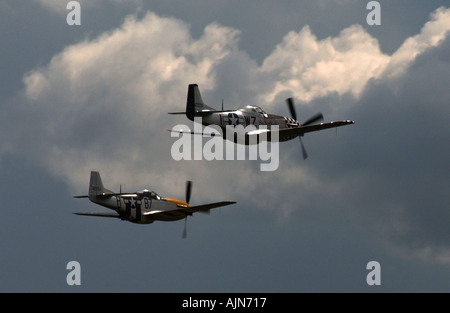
188	191
290	103
311	120
304	153
185	228
188	198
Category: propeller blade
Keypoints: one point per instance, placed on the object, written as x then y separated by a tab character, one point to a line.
305	154
185	228
313	119
290	103
188	190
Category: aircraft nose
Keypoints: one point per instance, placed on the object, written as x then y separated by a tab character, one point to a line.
177	202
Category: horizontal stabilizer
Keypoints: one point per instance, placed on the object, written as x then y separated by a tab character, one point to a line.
203	113
209	112
195	133
99	214
111	194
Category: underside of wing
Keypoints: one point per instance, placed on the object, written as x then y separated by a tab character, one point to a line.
153	212
289	133
258	132
99	214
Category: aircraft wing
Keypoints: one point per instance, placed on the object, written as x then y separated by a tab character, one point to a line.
301	130
99	214
189	210
207	207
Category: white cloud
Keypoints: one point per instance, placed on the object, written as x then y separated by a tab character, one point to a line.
430	36
311	68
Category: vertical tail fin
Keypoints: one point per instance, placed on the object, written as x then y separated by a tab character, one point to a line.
96	186
194	102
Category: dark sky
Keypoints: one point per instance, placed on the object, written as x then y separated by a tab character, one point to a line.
96	97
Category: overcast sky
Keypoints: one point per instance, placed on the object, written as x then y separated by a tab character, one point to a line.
96	96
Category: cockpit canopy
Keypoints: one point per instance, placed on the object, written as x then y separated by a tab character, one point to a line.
253	109
149	194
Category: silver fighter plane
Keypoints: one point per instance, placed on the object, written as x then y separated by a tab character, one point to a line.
254	116
145	206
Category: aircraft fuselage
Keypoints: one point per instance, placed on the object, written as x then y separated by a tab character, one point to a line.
140	209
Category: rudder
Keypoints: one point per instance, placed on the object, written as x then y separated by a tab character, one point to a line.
194	102
96	186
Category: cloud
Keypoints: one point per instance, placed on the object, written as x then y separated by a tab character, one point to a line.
102	104
395	164
54	6
311	68
431	35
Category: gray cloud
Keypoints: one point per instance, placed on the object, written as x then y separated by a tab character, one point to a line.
393	164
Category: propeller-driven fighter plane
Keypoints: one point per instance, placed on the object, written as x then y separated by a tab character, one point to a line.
145	206
288	128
